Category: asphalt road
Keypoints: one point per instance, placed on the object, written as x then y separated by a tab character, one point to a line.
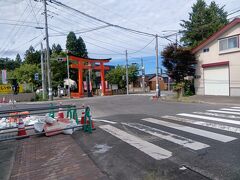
138	138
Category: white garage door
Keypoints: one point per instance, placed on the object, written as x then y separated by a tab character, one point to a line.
216	80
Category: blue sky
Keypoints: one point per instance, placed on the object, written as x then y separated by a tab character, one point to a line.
148	62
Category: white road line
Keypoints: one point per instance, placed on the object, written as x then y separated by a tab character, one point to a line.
218	115
224	112
236	107
227	109
210	118
189	143
106	121
206	124
148	148
199	132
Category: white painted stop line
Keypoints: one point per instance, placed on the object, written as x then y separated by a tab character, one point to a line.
210	118
199	132
186	142
224	112
148	148
206	124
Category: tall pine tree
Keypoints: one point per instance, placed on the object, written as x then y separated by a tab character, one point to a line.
76	46
203	21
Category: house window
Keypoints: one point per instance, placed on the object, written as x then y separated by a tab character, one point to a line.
206	50
228	43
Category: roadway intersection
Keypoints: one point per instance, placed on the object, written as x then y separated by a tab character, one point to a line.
138	138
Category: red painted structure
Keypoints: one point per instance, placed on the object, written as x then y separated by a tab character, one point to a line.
87	63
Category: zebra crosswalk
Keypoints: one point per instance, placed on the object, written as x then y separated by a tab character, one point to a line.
217	124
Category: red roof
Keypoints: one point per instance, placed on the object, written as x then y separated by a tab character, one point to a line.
216	35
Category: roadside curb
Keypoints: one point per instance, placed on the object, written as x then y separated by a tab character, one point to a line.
200	102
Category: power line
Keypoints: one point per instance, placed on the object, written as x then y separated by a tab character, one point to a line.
12	30
18	30
233	12
143	47
87	21
25	25
11	20
99	20
35	15
108	10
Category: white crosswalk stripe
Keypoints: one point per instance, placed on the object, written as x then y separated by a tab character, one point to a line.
214	119
104	120
210	118
236	107
224	112
227	109
199	132
218	115
189	143
148	148
206	124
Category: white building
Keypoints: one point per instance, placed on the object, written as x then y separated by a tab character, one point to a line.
218	62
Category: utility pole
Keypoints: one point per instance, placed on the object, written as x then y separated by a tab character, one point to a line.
50	95
127	72
158	93
143	76
68	76
43	73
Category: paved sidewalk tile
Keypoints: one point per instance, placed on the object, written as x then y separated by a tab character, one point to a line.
57	157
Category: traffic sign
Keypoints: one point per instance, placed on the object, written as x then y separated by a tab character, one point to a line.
36	77
62	59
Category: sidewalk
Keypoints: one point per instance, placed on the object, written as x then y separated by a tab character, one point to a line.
57	157
225	100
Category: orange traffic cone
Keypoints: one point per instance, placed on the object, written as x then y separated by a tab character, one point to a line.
60	113
82	117
93	127
21	130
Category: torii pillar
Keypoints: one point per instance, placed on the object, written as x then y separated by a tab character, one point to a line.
82	64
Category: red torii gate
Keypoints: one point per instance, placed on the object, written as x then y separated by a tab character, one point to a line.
81	65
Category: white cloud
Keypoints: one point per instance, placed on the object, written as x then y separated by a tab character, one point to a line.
151	16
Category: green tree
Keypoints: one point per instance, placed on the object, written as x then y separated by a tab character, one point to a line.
25	74
59	69
18	59
8	64
118	75
76	46
179	62
56	49
203	21
32	56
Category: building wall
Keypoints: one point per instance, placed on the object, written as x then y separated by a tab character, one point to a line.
214	55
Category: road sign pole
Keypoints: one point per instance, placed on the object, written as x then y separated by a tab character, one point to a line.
43	73
158	93
127	73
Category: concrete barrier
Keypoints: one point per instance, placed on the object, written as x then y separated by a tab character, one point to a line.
19	97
